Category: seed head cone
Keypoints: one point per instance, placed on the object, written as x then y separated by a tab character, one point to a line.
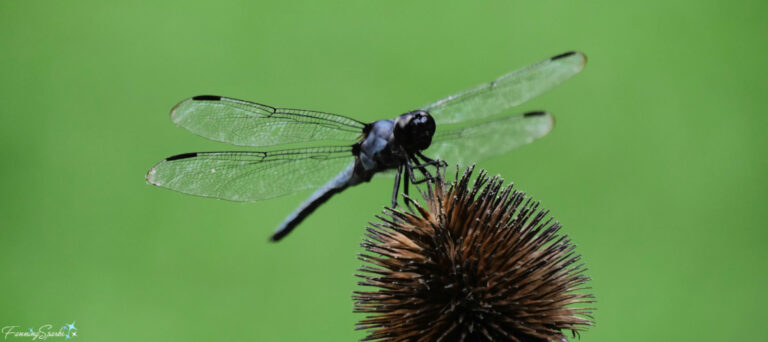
479	262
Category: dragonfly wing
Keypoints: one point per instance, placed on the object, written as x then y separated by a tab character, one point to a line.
507	91
489	138
252	124
250	176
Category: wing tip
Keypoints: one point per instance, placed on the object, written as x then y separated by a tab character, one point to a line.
150	176
175	117
553	122
541	113
581	56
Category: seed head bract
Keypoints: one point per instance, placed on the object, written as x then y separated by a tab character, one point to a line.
478	262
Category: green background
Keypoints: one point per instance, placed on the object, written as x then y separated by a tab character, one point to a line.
657	165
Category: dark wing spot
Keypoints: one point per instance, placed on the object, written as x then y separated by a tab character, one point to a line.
539	113
563	55
207	98
182	156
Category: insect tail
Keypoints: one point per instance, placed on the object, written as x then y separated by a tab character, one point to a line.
335	186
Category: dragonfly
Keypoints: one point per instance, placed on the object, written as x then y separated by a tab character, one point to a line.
335	152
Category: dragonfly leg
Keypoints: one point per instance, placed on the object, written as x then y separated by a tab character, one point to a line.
430	161
397	185
406	181
413	162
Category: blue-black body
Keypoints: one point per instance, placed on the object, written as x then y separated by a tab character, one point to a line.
381	148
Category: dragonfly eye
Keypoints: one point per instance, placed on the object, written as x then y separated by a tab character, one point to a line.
414	130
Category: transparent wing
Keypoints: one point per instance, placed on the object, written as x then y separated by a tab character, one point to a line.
486	139
251	124
507	91
250	176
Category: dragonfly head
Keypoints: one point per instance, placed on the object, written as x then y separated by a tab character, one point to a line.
414	130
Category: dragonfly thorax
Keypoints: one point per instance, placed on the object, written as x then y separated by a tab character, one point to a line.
414	130
378	151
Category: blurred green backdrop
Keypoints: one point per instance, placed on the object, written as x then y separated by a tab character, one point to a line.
657	166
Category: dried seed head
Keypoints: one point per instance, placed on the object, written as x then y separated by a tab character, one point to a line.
480	263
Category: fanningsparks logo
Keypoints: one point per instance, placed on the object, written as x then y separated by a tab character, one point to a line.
44	332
